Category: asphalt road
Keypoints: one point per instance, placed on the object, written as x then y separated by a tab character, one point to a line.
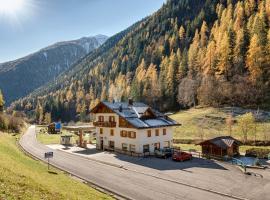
128	184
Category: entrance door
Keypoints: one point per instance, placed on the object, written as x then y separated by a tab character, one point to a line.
157	146
111	144
101	143
146	148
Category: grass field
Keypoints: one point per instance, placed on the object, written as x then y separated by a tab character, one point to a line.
211	122
45	138
24	178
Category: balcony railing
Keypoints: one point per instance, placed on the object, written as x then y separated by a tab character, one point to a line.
105	124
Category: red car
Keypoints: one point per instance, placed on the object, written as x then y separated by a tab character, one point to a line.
181	156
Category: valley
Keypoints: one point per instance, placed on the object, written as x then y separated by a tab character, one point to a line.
173	104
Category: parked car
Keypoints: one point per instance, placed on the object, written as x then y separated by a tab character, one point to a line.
181	156
163	153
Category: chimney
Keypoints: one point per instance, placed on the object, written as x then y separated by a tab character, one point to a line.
130	102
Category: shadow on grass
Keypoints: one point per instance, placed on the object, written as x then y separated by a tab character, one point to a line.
52	172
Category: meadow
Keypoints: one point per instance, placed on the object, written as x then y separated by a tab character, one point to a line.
21	177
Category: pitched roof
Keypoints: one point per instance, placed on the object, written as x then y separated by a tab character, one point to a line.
135	114
222	141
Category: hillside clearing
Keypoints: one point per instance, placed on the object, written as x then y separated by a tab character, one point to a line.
24	178
211	122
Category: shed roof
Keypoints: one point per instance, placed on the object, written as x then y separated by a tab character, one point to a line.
223	141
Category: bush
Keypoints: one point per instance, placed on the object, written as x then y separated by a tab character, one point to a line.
15	124
3	122
258	152
11	123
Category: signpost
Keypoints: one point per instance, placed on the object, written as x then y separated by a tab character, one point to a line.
48	155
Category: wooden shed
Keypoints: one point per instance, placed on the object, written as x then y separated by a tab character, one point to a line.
220	147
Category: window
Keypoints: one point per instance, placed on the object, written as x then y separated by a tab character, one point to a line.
124	147
101	118
101	131
146	148
164	131
149	133
112	132
132	148
132	134
111	119
123	133
157	132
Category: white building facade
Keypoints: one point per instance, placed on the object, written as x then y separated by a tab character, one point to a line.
131	127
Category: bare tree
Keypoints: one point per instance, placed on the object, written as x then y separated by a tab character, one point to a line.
246	123
229	123
187	92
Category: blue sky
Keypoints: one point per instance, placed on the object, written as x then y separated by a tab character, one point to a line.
39	23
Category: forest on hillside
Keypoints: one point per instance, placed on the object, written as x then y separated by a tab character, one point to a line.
190	52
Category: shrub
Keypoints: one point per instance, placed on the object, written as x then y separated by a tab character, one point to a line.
258	152
3	122
15	124
11	123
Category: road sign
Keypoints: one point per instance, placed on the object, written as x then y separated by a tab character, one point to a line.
48	155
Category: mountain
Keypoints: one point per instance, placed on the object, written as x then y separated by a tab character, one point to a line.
190	52
22	76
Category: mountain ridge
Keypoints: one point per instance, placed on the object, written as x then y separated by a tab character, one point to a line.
44	65
188	53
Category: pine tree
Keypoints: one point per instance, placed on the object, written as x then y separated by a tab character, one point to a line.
239	52
182	33
163	75
259	26
255	59
193	64
210	58
183	65
267	9
203	34
39	113
171	79
225	56
151	87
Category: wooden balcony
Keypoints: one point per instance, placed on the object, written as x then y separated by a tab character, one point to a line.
105	124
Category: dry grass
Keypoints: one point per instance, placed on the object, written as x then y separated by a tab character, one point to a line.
211	121
24	178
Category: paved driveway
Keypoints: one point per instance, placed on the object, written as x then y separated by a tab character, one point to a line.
152	178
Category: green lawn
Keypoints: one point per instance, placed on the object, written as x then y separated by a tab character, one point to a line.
45	138
211	122
24	178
